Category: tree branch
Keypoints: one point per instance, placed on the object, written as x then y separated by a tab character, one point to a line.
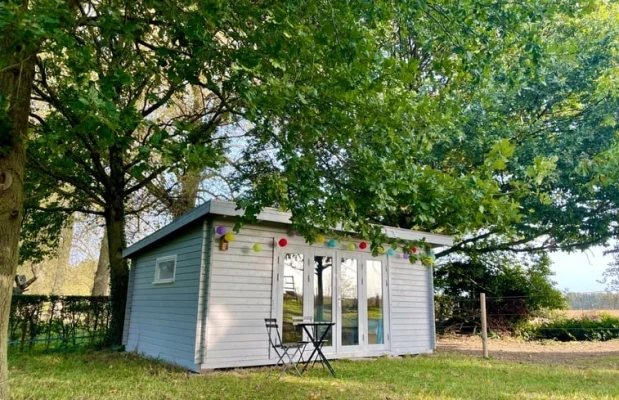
159	103
64	178
68	210
145	181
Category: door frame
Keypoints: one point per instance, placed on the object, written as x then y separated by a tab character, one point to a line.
327	252
386	278
359	347
277	290
309	253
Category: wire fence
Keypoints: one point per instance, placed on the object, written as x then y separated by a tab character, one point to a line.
57	321
589	316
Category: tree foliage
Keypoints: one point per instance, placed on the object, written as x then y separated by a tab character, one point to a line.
556	127
559	123
472	118
342	96
441	130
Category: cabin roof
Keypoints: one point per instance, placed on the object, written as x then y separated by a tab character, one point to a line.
224	208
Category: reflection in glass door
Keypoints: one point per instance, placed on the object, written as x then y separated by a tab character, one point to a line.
342	287
292	296
349	302
375	302
323	292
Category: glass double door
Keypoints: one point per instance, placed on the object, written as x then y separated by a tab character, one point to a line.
347	288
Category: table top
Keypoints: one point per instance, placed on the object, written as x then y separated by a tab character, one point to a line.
317	323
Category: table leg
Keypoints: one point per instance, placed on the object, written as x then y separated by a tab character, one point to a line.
324	360
311	337
318	343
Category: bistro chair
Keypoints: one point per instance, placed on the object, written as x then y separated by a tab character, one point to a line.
286	352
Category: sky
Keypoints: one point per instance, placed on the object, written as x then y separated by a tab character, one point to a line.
581	271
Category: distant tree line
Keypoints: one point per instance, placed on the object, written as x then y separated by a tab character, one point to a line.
593	301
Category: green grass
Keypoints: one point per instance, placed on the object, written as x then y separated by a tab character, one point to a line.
105	375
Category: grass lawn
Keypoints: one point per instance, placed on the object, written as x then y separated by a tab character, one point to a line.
104	375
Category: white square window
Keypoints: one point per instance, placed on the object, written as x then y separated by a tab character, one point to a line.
165	269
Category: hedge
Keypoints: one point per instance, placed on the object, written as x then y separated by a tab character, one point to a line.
602	328
57	321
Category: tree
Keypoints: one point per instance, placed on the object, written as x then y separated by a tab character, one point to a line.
561	121
431	142
344	100
512	151
179	189
23	27
517	287
102	137
610	276
563	124
63	258
105	135
101	282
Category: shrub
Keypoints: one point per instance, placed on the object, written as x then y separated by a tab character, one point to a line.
516	291
598	328
57	320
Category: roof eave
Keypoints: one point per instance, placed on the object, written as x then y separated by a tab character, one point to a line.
224	208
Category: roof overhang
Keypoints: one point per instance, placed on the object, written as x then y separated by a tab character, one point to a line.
224	208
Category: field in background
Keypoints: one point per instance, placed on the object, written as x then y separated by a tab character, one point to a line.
590	313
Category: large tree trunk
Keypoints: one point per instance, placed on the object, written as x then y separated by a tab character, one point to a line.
63	258
16	82
119	277
102	275
189	186
115	225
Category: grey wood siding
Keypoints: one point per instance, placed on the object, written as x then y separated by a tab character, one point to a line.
163	317
241	290
412	324
205	282
128	305
240	298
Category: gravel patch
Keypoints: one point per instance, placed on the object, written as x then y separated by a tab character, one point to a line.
577	354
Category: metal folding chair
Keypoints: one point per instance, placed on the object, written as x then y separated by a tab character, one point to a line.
283	350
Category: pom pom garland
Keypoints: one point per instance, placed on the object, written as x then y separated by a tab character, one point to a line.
257	247
363	245
282	242
229	237
221	230
332	243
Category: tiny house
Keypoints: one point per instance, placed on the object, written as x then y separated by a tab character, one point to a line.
198	293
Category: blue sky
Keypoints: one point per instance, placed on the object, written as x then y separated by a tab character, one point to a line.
579	272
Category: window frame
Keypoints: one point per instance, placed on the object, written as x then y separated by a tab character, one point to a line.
160	260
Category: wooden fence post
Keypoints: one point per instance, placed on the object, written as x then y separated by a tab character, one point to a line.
484	325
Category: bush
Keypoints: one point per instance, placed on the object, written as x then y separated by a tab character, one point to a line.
601	328
57	320
516	291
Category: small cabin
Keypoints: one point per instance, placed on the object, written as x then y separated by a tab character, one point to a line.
198	293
